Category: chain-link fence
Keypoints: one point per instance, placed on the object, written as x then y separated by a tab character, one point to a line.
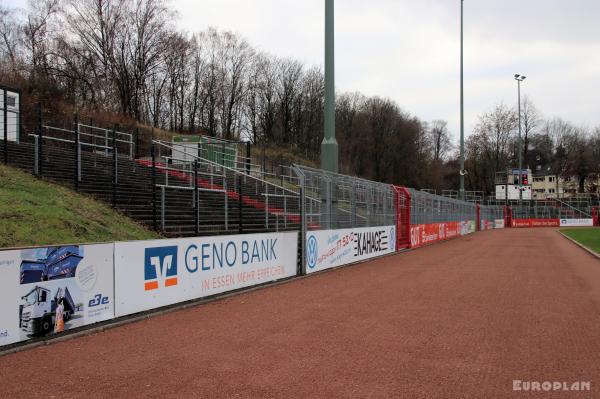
335	201
489	214
549	211
429	208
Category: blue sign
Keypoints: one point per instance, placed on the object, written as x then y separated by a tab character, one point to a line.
160	263
311	251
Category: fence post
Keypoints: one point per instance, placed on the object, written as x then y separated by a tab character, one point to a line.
196	197
5	120
301	270
137	143
77	159
353	204
248	154
266	205
114	179
240	213
40	146
478	217
226	195
154	222
162	208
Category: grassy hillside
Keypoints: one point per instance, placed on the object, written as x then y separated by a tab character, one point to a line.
35	212
590	237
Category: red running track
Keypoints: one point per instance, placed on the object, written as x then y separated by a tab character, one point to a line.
462	318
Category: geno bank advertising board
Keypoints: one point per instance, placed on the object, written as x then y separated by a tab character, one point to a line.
331	248
151	274
49	290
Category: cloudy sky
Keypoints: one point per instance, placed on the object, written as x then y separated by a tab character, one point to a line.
408	50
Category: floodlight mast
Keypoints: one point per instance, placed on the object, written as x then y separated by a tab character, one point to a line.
519	78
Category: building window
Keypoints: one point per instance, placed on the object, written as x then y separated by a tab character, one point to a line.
550	179
551	191
11	101
538	179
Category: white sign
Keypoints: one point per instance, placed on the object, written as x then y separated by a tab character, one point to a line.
52	289
577	222
331	248
151	274
499	223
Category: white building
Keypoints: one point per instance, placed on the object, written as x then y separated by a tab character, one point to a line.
10	111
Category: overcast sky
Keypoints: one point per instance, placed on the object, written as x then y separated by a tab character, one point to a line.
409	50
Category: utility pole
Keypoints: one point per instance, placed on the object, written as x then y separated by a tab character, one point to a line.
329	146
519	79
461	193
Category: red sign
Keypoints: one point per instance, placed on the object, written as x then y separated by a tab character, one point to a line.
424	234
535	223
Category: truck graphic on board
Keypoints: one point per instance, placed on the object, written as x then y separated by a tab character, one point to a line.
38	312
60	262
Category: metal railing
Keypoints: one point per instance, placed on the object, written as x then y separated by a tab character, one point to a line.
261	204
430	208
332	200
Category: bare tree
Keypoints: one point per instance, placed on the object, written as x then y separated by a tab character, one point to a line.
530	118
440	139
9	36
37	32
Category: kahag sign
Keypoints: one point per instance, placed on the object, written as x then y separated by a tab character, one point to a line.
331	248
151	274
52	289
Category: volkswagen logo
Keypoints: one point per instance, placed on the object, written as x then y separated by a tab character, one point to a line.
311	251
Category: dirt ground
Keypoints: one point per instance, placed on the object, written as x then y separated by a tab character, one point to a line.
459	319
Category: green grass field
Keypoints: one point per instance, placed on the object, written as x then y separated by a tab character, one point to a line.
590	237
35	212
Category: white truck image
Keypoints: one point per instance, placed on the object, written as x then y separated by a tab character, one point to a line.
37	314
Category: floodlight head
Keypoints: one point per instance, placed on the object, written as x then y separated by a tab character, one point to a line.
523	77
517	76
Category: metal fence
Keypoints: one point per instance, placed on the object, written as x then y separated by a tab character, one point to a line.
549	211
336	201
222	198
430	208
491	213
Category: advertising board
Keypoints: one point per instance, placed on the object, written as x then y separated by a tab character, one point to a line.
49	290
152	274
424	234
535	222
331	248
576	222
486	225
499	223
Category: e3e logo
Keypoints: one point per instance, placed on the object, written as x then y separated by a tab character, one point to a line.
98	300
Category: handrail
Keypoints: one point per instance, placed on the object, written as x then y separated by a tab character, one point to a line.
107	130
159	142
70	141
573	208
59	129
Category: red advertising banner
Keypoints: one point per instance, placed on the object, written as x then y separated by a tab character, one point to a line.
535	223
424	234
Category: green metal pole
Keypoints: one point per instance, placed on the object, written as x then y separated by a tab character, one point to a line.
329	146
461	193
520	146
